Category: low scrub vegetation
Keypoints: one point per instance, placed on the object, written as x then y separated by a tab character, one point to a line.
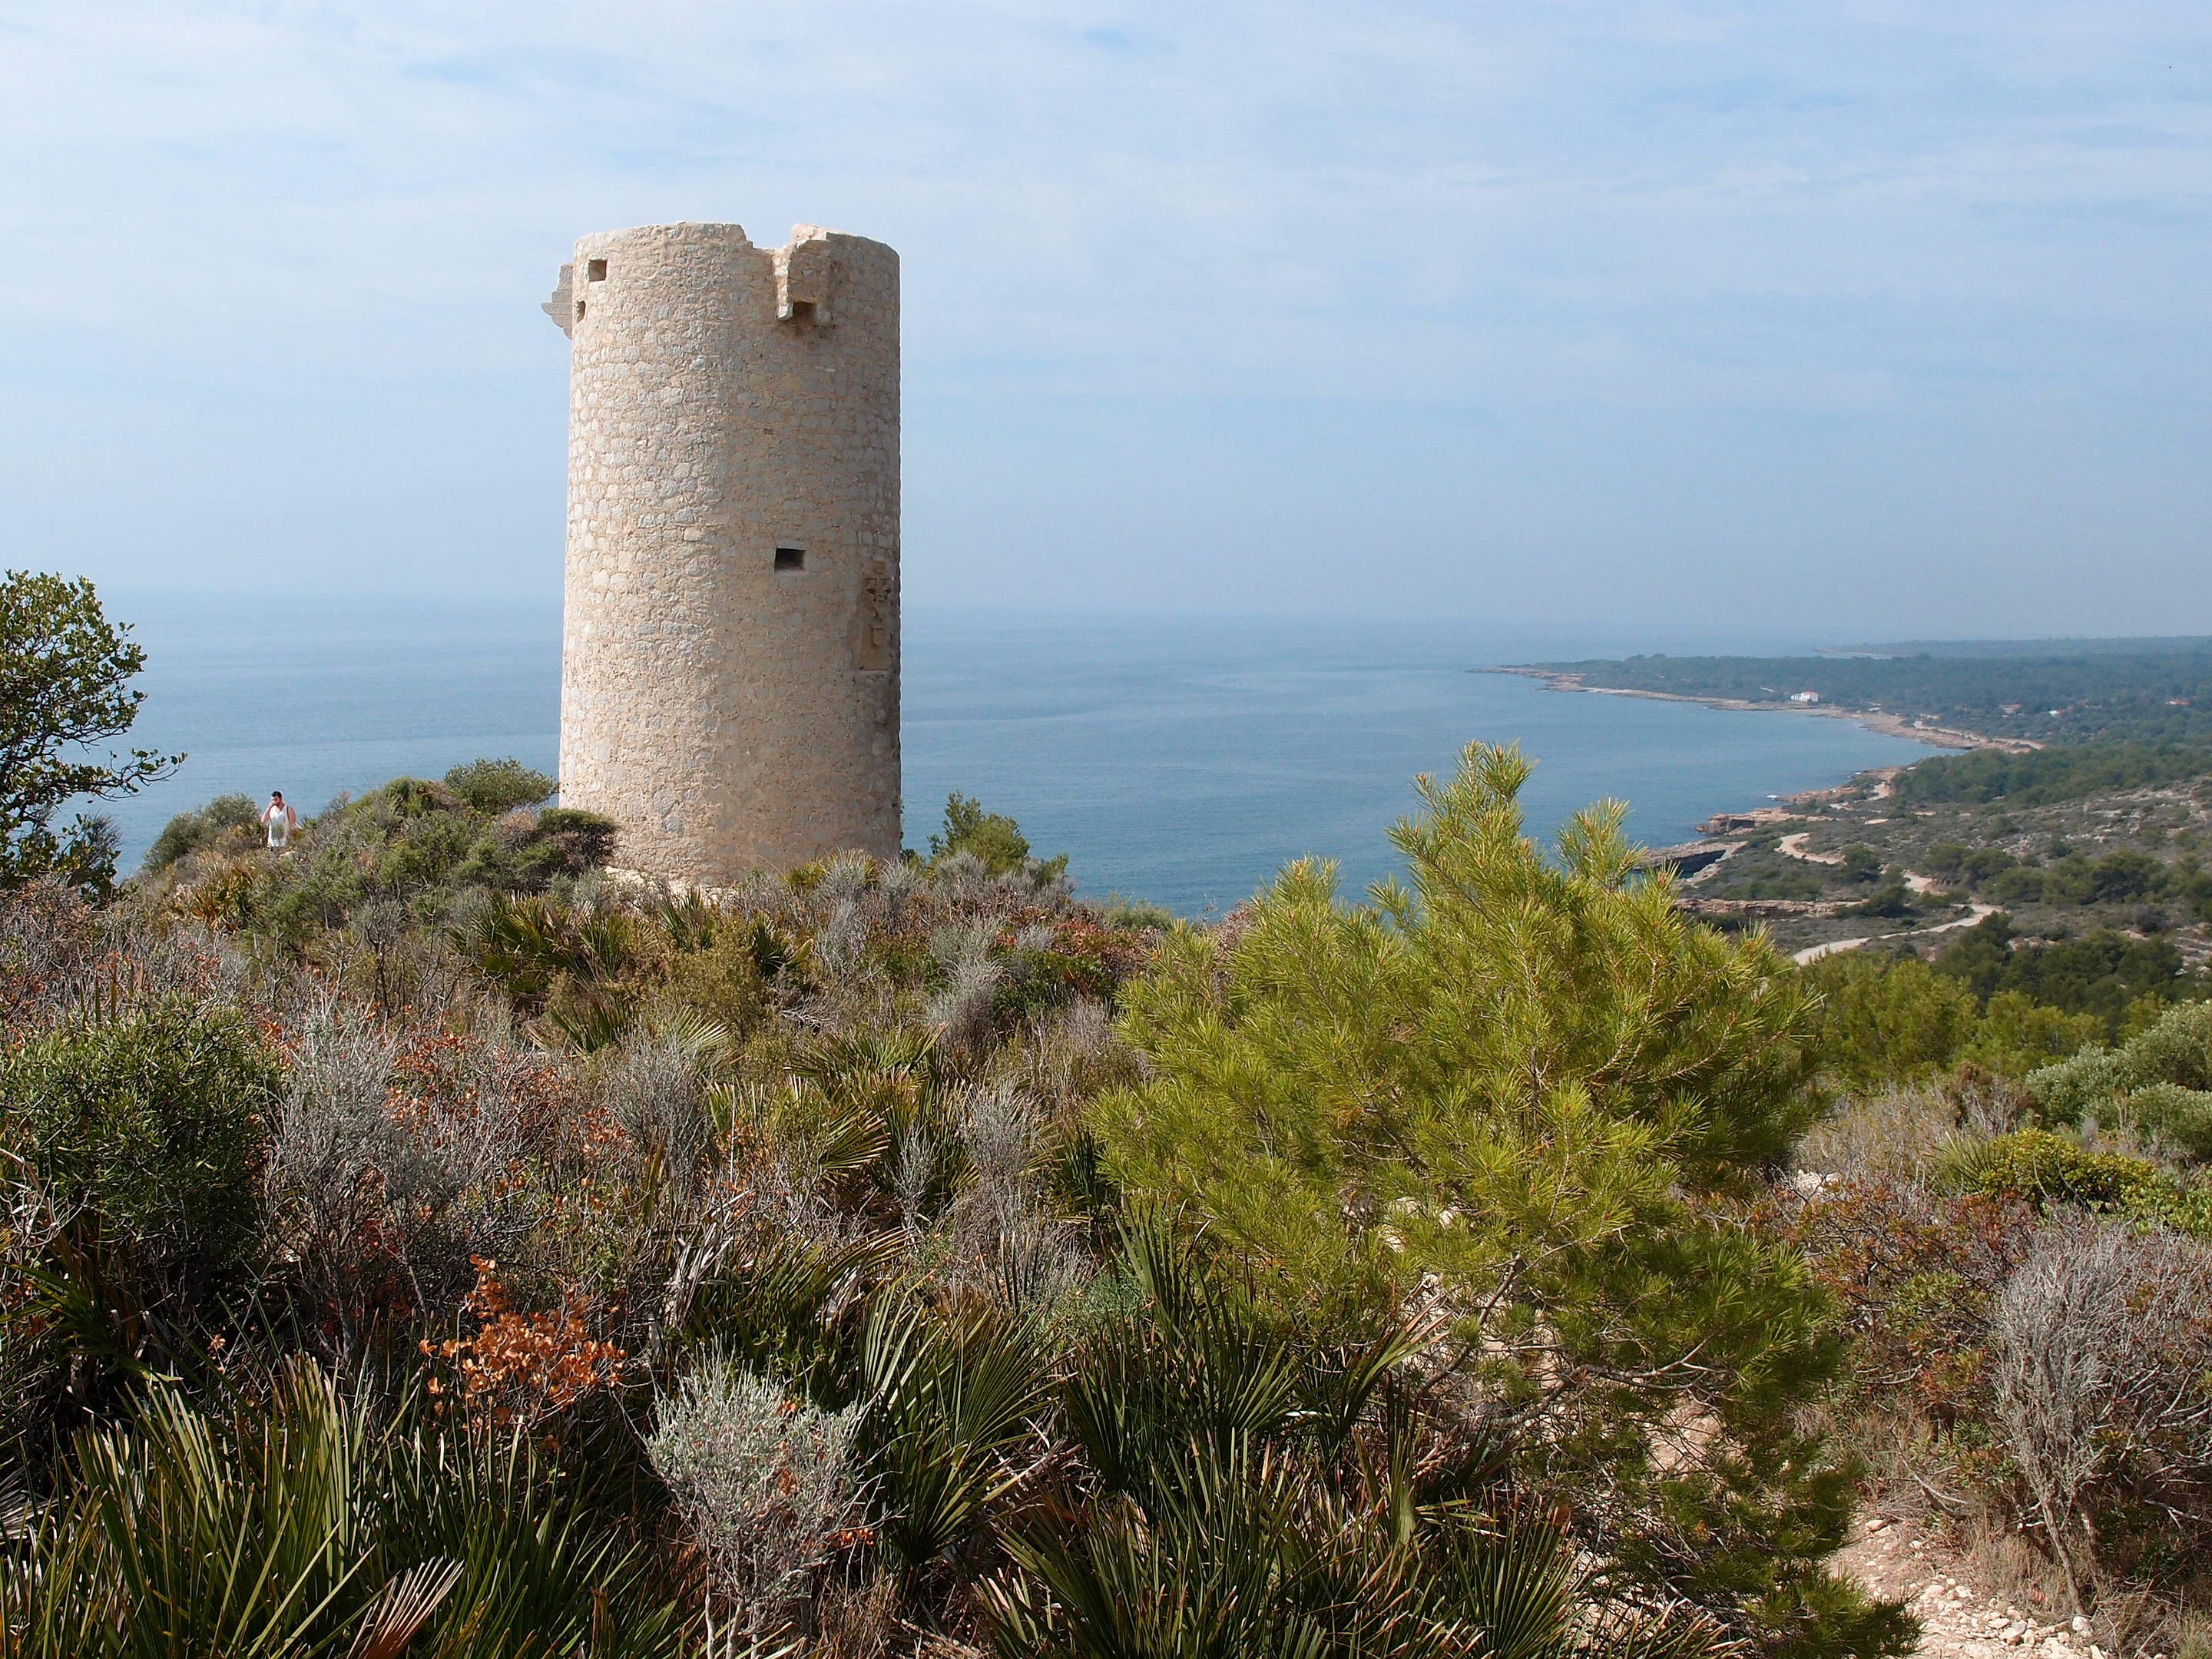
2026	1267
422	1241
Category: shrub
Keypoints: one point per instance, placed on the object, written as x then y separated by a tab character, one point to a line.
992	837
1897	1132
766	1484
2103	973
302	1526
188	832
152	1125
2099	1347
2123	876
2017	885
1891	898
1889	1021
2161	1078
963	1010
717	972
570	842
2049	1170
2017	1034
338	1164
1209	1427
494	786
1916	1276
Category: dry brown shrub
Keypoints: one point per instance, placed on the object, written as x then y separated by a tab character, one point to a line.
522	1369
1897	1134
2100	1373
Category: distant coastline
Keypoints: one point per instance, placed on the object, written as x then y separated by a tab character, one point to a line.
1896	725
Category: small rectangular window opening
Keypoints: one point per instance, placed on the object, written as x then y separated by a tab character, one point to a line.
790	558
596	271
802	311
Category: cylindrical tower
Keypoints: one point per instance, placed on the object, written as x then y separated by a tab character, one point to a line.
730	647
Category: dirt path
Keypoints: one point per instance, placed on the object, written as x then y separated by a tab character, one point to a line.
1793	846
1957	1620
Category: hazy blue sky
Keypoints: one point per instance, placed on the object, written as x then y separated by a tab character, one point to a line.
1825	318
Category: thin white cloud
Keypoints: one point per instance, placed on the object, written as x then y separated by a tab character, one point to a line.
333	222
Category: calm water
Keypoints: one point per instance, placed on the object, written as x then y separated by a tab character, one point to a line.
1182	762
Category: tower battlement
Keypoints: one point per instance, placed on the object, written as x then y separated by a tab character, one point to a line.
730	646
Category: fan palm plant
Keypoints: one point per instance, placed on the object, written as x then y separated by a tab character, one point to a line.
304	1530
1255	1488
949	1431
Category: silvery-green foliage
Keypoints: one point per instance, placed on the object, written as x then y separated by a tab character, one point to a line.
842	939
845	878
198	961
765	1483
898	880
1075	1055
655	1088
959	875
917	1165
1055	891
962	1009
1000	1124
1003	1243
345	1176
63	957
596	891
2176	1052
337	1152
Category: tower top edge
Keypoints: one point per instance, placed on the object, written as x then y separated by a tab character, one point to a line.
725	229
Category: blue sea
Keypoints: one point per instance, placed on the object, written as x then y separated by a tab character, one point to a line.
1176	759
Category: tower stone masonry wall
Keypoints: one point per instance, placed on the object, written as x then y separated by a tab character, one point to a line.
730	649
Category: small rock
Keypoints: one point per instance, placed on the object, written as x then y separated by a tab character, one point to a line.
2081	1625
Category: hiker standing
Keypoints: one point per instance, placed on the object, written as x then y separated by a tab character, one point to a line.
280	820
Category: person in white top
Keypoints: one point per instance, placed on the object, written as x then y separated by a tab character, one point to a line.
281	819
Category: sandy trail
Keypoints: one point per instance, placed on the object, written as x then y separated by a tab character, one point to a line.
1793	846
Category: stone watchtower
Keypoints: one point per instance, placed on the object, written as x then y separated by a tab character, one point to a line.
730	647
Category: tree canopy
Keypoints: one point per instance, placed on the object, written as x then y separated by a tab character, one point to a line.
1528	1091
65	687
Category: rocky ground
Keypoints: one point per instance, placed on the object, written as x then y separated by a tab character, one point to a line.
1958	1619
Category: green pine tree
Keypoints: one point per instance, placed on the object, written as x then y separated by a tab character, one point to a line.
1530	1091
